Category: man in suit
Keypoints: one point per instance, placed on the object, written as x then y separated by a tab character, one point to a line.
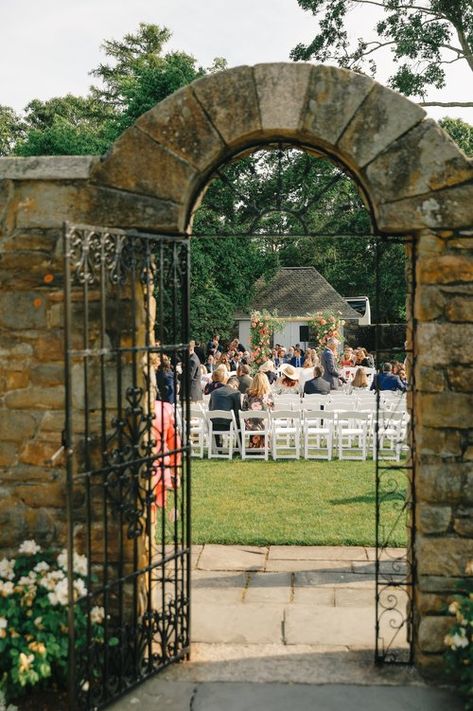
194	375
387	380
226	398
317	386
244	378
329	364
296	360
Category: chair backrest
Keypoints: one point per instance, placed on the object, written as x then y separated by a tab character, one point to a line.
254	415
354	415
220	415
317	415
286	415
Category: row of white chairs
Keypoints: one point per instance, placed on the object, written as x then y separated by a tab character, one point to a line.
288	434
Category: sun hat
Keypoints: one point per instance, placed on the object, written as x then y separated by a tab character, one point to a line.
289	371
267	367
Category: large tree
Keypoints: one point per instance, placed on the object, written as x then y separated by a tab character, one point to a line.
424	37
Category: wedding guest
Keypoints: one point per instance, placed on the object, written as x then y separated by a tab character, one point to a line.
194	375
296	359
165	381
244	378
219	378
225	398
288	382
257	398
387	380
210	364
348	358
317	385
329	364
298	346
360	381
199	351
307	371
269	371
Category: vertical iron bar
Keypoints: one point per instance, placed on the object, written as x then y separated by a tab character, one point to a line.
378	656
68	445
187	471
413	529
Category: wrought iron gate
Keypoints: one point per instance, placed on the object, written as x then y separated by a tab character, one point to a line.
128	483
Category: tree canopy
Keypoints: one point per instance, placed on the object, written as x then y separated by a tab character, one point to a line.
423	36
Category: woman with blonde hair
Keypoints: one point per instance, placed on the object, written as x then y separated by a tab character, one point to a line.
258	397
307	371
360	381
219	378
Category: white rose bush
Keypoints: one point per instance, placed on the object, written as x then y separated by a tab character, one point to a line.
33	618
459	640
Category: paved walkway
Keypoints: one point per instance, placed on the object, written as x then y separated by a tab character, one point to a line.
286	627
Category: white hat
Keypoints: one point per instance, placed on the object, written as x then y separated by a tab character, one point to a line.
267	367
289	371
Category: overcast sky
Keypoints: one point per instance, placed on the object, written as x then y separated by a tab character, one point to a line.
47	47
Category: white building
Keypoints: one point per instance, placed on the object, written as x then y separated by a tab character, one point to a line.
295	293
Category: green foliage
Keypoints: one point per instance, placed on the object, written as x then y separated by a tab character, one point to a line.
11	130
263	325
34	618
461	132
423	37
459	640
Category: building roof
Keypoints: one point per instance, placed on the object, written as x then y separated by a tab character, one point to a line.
296	292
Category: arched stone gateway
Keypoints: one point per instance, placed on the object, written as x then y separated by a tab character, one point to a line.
416	183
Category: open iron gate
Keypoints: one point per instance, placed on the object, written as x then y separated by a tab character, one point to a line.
128	484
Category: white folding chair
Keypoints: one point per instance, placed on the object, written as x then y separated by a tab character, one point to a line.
261	418
317	434
229	437
314	402
198	431
286	434
352	432
392	433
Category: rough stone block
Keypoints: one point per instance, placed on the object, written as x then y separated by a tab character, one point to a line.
433	519
15	379
447	409
138	164
180	124
423	160
445	269
430	379
463	523
48	374
17	426
432	631
231	102
452	207
46	167
38	495
444	555
19	311
460	309
8	453
50	346
431	603
444	442
440	483
444	344
333	97
282	90
36	398
382	118
39	453
429	303
46	204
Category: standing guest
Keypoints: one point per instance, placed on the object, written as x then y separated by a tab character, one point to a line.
194	375
219	378
329	364
296	360
199	351
317	385
387	380
210	364
225	398
360	381
214	344
258	397
244	378
288	382
165	381
269	371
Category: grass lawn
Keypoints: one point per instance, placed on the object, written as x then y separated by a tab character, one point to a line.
292	502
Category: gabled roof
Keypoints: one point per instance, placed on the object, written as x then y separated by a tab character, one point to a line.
296	292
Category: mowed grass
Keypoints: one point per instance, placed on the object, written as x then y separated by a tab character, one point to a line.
293	503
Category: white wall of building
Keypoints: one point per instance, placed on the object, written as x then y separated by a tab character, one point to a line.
244	333
289	336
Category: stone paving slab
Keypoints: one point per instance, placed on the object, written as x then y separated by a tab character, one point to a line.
353	627
316	564
269	587
323	596
347	597
251	623
215	557
218	579
387	554
332	579
237	696
297	553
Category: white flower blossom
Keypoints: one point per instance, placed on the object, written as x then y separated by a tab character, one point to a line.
80	589
97	615
7	569
453	607
41	567
6	588
3	623
28	580
457	640
51	579
59	596
80	563
29	547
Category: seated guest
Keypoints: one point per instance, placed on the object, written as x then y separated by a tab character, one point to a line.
235	360
363	358
298	347
244	378
348	359
317	386
210	364
387	380
296	359
269	371
214	344
307	371
288	382
258	397
219	378
199	351
281	358
360	381
290	354
224	360
226	398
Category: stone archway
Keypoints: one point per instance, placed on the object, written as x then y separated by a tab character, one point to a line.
416	181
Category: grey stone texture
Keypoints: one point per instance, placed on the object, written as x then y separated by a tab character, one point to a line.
417	182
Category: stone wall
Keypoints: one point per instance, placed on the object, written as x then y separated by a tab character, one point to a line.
416	183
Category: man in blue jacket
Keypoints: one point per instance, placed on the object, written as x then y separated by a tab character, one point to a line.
387	380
